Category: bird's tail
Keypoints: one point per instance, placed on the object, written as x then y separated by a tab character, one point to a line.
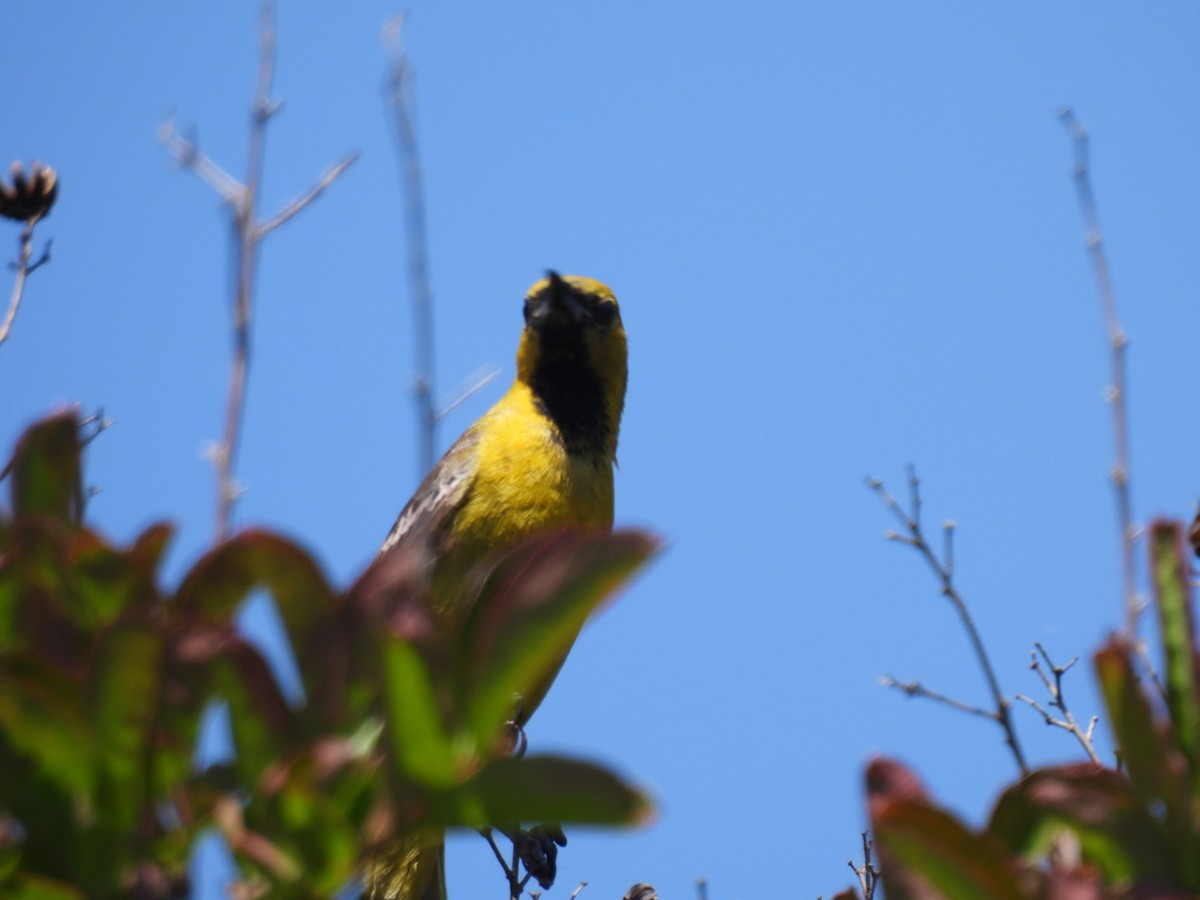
414	869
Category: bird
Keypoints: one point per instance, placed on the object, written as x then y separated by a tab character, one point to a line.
541	458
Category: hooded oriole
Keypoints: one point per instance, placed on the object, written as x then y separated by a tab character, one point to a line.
541	457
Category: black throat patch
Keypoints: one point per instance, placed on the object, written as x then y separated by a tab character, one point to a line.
569	390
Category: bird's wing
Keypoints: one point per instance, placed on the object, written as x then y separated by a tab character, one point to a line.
440	495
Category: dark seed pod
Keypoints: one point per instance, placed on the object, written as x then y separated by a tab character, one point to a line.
31	195
641	891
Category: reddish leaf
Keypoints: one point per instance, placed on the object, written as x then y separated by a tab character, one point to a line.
1099	806
926	852
46	471
222	578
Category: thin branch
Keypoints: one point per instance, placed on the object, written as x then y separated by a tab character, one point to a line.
916	689
491	842
297	206
24	268
247	233
1057	701
867	874
1118	342
915	537
515	884
188	156
400	99
477	383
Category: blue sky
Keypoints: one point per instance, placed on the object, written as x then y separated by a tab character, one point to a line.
844	238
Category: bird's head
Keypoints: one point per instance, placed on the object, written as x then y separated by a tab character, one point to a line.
573	349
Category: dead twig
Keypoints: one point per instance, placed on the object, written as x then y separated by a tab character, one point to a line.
914	537
399	97
916	689
242	197
1053	687
867	874
24	267
1118	343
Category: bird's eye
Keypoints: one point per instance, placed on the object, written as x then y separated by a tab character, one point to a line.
604	313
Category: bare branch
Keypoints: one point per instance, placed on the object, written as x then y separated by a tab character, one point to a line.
188	156
400	99
1057	701
24	268
867	874
477	383
916	689
916	539
248	233
297	206
1118	343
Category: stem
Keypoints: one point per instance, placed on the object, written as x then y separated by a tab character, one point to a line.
916	539
246	239
400	98
1118	342
25	242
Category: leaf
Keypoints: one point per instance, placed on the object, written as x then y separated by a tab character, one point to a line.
542	789
221	579
32	887
529	612
226	575
42	717
124	703
46	470
939	848
262	722
420	746
1115	831
1170	569
35	592
933	855
1156	765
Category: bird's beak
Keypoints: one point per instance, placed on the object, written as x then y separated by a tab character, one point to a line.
563	298
557	301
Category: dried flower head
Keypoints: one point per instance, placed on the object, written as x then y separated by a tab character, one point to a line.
29	196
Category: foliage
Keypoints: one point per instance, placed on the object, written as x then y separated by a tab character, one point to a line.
105	674
1078	831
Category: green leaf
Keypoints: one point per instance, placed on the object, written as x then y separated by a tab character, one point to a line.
941	850
46	470
1170	568
124	704
42	716
1156	766
262	722
1115	831
31	887
420	746
541	789
531	608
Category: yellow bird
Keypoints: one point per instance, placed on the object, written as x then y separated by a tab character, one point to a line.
542	457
